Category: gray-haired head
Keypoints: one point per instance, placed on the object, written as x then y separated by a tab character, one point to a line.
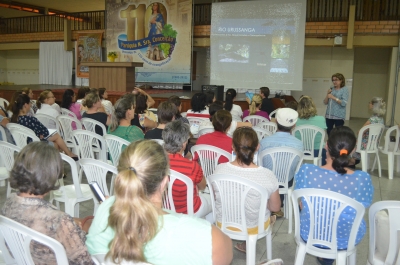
121	107
175	135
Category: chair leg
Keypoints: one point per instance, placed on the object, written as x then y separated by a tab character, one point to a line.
379	164
70	208
341	258
364	161
390	165
96	205
398	163
251	250
300	254
290	212
269	245
76	210
352	259
8	189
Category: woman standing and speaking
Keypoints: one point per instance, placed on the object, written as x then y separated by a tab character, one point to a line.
336	99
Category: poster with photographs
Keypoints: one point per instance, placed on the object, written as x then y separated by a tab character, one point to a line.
88	49
157	33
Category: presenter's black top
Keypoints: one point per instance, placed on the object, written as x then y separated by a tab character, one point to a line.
267	106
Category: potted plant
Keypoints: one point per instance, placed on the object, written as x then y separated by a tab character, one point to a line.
111	56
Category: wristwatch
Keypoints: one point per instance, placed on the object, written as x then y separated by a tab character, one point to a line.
337	100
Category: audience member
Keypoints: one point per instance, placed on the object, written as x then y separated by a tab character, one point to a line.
135	121
267	104
286	120
107	105
93	103
254	107
221	122
210	97
199	106
308	116
234	109
166	113
177	101
176	135
143	102
121	121
82	92
28	91
133	226
44	102
245	145
292	105
34	178
3	123
10	106
69	103
335	176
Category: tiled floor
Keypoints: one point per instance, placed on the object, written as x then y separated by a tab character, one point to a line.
283	244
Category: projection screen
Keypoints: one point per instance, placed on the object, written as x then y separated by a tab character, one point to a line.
258	43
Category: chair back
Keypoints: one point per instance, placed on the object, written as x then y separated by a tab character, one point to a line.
21	134
87	143
90	125
255	119
283	161
4	103
272	114
268	125
7	154
66	128
183	114
209	156
75	175
3	133
393	230
307	134
375	132
205	130
324	208
261	133
15	242
68	113
174	178
233	192
96	170
195	120
114	146
48	121
392	146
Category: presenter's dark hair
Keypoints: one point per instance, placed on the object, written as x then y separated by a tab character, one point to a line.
198	102
229	96
341	78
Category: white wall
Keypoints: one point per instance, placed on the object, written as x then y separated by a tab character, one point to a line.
202	68
22	67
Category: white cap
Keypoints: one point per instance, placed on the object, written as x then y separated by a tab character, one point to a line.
286	117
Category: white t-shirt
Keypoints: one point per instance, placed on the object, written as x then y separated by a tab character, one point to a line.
259	175
236	112
48	110
208	124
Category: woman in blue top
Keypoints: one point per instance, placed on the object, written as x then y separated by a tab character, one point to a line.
336	99
336	176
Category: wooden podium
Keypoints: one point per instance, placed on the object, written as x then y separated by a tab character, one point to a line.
119	76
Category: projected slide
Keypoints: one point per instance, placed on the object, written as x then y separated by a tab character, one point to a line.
258	43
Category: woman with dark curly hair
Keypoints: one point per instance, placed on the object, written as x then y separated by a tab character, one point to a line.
34	178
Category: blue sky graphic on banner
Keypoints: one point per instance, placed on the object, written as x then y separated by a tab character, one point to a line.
155	33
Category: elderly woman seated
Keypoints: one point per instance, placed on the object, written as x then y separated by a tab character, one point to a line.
34	178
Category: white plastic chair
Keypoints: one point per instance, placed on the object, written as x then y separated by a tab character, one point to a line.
2	101
21	134
284	162
183	114
168	202
233	191
272	114
90	125
72	194
391	149
374	137
307	134
88	143
114	146
261	133
159	141
67	129
268	125
48	121
375	257
3	170
7	153
255	119
205	130
68	113
209	156
325	208
18	239
96	170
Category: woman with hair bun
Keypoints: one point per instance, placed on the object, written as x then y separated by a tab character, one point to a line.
245	144
336	176
235	110
254	107
133	226
121	121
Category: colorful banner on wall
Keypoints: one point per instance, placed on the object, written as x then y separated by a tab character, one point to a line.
88	49
156	33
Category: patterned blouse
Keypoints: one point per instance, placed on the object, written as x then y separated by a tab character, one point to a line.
335	110
33	124
44	217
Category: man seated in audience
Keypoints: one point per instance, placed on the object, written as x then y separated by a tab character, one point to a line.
266	104
176	135
165	113
286	119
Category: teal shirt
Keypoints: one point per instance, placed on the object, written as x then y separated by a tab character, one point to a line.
130	133
181	239
318	121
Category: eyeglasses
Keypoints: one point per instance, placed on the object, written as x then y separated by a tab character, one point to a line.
333	80
51	97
